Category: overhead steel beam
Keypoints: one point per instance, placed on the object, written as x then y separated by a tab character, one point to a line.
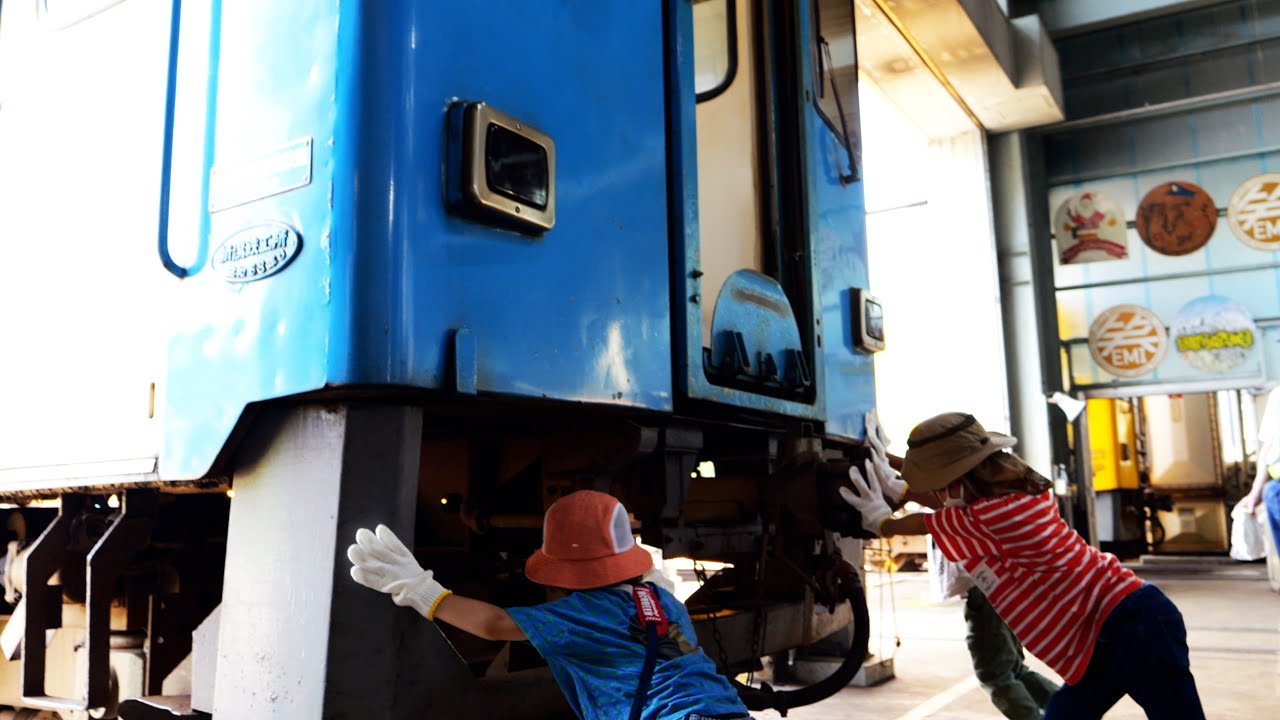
1072	17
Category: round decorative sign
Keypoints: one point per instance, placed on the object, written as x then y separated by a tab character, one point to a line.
1254	212
1089	227
1128	341
1176	218
1214	333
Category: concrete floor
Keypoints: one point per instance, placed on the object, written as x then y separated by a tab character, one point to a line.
1233	623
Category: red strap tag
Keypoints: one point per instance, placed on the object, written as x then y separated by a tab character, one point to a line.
648	608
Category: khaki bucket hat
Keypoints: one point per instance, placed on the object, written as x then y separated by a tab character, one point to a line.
946	446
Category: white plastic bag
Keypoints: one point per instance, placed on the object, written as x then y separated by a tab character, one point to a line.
946	579
1247	539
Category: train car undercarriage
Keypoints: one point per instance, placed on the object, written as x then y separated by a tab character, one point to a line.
235	595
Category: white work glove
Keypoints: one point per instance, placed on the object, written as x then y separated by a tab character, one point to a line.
869	503
894	487
381	562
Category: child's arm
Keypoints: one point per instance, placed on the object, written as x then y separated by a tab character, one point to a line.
912	524
381	562
478	618
1260	479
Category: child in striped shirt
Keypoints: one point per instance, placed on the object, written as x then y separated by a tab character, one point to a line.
1099	626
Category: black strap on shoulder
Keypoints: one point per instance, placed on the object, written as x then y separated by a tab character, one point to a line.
649	612
646	673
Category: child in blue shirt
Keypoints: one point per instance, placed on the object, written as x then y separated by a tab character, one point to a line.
592	639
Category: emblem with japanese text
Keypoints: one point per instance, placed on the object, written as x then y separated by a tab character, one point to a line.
256	252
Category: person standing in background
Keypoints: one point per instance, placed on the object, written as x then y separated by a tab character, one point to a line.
1264	491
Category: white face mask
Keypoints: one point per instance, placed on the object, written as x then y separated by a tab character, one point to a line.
955	502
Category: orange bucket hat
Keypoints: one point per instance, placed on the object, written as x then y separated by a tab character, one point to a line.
587	543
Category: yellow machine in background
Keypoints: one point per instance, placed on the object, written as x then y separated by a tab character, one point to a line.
1114	453
1112	445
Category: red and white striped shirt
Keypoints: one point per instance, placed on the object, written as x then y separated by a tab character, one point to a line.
1052	588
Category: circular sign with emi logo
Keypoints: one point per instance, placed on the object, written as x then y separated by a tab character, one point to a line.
1254	212
1176	218
1128	341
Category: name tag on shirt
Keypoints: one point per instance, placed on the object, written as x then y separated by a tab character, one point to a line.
985	578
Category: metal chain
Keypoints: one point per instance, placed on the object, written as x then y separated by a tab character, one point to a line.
700	574
756	627
884	571
759	626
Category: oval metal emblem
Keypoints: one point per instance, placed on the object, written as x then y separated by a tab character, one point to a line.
256	252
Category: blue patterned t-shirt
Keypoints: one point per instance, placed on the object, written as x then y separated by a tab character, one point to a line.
595	646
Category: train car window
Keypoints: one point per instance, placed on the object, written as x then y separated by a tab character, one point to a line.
835	60
516	167
715	47
731	165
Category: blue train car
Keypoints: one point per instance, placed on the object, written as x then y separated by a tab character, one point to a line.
279	270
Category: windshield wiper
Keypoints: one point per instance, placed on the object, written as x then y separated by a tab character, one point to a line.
824	62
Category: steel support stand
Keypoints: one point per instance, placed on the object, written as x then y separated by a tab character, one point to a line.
299	638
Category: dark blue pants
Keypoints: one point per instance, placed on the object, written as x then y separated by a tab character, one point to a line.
1141	652
1271	499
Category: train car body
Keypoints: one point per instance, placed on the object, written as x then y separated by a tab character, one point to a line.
426	264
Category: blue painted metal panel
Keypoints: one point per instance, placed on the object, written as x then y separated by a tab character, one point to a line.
841	250
385	280
837	222
580	313
237	343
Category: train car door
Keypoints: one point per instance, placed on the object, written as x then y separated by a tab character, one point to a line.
766	207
